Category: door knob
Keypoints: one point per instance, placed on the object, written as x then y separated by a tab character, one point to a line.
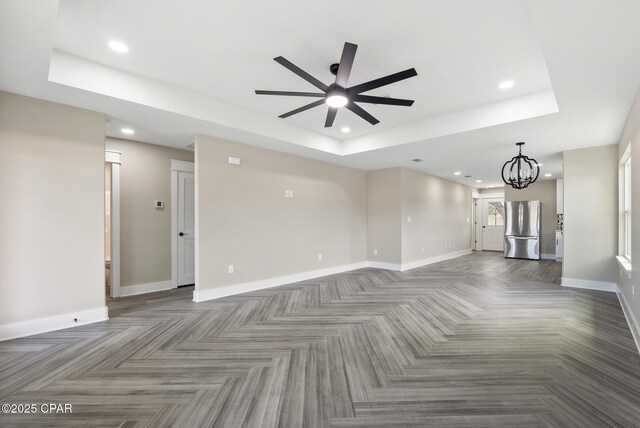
182	234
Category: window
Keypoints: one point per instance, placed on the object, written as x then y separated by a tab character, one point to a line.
495	214
625	205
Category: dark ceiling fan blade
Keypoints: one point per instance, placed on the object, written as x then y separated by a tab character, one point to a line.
383	81
331	116
346	62
289	93
382	100
362	113
300	72
303	108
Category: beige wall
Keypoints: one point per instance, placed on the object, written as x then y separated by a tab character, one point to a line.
439	210
245	220
52	215
384	228
145	231
590	214
630	287
497	192
545	192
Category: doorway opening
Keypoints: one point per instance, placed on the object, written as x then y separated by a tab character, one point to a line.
112	223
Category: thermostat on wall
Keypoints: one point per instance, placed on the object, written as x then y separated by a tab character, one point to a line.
159	204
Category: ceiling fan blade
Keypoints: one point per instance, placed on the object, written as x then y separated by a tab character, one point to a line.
289	93
300	72
331	116
303	108
362	113
382	100
383	81
346	62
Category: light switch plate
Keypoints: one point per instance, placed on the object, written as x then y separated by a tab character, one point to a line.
232	269
234	160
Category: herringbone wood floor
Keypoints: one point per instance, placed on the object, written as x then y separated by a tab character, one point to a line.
475	341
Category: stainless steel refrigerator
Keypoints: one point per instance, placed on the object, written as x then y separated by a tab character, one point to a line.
522	230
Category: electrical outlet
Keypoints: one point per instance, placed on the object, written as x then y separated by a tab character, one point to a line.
232	269
288	193
320	257
234	161
375	251
409	219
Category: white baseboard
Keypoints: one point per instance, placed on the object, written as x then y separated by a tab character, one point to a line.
149	287
58	322
230	290
435	259
611	287
384	265
634	326
547	256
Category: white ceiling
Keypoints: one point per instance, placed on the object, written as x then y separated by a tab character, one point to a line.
193	66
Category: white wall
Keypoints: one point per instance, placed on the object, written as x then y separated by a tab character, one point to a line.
590	214
245	220
145	231
52	216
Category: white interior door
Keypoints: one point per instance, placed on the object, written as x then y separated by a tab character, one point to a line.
493	224
186	228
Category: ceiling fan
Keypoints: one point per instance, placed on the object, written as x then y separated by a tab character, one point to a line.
337	94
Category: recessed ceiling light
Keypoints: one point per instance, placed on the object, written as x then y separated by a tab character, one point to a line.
127	131
547	175
457	173
539	164
345	129
506	84
478	181
118	46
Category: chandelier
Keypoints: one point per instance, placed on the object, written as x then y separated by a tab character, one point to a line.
520	171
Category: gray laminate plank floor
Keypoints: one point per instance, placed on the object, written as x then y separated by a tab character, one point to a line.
473	341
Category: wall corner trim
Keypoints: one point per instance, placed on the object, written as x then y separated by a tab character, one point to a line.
611	287
634	326
57	322
150	287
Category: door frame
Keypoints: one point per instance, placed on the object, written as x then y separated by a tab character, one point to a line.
177	166
477	215
114	158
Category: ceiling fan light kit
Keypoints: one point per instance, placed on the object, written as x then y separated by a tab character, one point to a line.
520	171
338	94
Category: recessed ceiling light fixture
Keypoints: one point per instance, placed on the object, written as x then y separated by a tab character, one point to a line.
345	129
127	131
547	175
478	181
539	164
457	173
507	84
118	46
